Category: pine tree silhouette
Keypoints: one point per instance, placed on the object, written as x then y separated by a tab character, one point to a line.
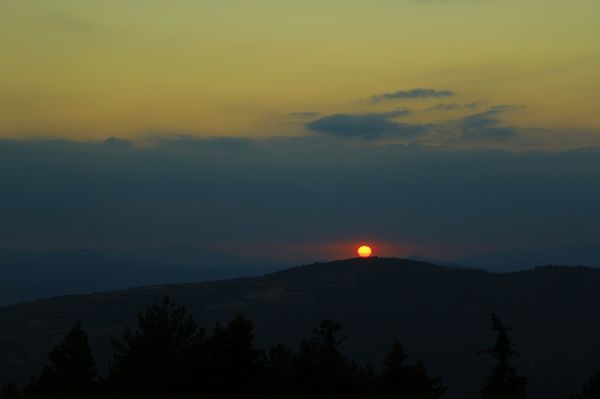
591	389
71	373
319	361
394	374
399	380
281	371
231	365
169	356
503	382
323	371
11	391
150	362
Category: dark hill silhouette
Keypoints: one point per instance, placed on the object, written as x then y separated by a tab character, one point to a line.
28	275
441	315
524	258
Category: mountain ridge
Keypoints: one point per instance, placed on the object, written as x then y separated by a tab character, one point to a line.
27	275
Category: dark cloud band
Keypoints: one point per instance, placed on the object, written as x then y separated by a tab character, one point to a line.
371	126
310	189
411	94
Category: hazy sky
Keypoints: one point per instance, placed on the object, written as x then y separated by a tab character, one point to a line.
95	69
296	197
431	126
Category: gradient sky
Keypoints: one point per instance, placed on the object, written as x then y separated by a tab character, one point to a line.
440	127
95	69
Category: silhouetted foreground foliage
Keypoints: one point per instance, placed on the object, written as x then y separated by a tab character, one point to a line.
71	373
503	382
591	390
170	356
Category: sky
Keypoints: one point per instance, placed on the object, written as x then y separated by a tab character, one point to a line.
438	127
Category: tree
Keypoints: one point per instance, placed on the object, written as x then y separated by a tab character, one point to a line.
323	371
394	374
320	363
71	372
232	367
281	372
399	380
150	362
10	391
503	382
590	390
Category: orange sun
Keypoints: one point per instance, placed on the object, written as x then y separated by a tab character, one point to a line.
364	251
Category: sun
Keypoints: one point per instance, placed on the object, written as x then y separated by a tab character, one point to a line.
364	251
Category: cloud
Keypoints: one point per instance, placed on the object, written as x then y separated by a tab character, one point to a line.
371	126
75	24
456	107
482	127
411	94
304	115
187	141
485	126
295	190
396	113
117	143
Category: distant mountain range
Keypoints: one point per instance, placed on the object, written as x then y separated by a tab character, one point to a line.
517	259
525	258
440	315
27	275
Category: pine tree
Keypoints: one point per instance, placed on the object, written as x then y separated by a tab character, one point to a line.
394	373
281	372
324	346
591	389
399	380
10	391
318	363
323	371
503	382
150	362
71	373
232	366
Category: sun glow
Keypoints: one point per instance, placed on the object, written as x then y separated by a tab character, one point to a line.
364	251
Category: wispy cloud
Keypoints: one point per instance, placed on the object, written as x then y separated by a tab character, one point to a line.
477	128
304	115
74	24
456	106
487	125
371	126
188	141
411	94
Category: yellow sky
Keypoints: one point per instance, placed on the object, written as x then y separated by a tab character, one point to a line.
94	69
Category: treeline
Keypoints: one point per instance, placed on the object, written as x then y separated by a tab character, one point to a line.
169	356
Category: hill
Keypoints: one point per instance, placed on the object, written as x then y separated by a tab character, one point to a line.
440	314
28	275
523	258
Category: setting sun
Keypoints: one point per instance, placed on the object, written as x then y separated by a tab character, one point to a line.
364	251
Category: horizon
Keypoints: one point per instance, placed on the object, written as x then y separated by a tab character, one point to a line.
207	150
